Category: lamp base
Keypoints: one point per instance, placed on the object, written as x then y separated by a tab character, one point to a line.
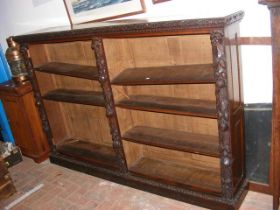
20	79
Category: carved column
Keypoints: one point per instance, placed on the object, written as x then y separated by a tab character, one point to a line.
274	7
97	46
37	95
219	60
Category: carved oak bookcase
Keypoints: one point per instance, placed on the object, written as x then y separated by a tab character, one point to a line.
154	105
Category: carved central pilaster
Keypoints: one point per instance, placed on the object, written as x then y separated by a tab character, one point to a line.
219	59
98	48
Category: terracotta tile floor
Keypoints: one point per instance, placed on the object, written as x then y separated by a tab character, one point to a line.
67	189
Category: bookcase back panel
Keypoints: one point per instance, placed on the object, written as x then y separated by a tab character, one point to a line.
156	51
129	118
57	121
174	167
81	122
136	151
188	91
48	82
133	152
68	52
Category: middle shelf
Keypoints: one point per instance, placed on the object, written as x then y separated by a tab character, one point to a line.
173	139
171	105
177	74
76	96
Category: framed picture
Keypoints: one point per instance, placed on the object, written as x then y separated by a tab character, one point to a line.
81	11
159	1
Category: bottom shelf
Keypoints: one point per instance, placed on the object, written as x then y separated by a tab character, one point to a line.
178	174
89	152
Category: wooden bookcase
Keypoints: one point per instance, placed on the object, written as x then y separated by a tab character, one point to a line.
155	105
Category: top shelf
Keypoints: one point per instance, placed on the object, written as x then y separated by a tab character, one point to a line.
183	74
72	70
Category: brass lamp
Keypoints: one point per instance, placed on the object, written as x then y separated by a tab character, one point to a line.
15	61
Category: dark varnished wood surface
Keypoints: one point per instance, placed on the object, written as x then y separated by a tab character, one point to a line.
24	120
171	105
88	151
171	139
177	174
186	74
76	96
130	28
187	181
15	89
73	70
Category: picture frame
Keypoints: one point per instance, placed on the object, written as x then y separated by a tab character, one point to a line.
159	1
82	11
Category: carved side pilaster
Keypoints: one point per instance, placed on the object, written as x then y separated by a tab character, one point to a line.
222	103
97	46
37	95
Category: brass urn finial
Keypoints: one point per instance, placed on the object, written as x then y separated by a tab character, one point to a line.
16	61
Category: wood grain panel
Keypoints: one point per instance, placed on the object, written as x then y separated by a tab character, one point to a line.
88	123
132	152
156	51
130	118
163	164
184	158
187	91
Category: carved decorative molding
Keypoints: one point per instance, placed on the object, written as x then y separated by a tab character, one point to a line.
97	46
37	96
219	60
131	29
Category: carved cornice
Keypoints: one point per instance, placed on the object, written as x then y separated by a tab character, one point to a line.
219	60
132	29
97	46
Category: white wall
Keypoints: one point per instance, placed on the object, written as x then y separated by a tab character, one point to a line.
17	17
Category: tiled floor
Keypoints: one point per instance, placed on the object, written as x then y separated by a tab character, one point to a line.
67	189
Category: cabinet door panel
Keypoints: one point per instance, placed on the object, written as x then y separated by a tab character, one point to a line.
19	126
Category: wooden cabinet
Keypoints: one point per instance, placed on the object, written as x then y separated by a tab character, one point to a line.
23	117
154	105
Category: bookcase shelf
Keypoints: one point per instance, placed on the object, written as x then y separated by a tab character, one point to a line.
73	70
172	105
176	140
183	74
76	96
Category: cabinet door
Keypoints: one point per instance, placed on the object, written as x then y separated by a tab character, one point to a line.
19	125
